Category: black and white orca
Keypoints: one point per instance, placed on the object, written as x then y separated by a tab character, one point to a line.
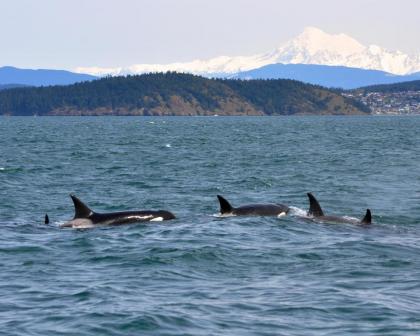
276	210
84	217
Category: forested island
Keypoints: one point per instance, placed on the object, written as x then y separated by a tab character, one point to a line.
173	94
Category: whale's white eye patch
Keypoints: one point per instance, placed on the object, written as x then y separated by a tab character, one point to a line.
157	219
281	214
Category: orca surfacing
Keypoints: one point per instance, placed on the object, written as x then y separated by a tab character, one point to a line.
316	212
277	210
84	217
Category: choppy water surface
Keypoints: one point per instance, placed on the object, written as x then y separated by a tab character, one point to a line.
200	274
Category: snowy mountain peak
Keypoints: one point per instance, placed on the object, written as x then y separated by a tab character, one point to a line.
315	40
312	46
313	31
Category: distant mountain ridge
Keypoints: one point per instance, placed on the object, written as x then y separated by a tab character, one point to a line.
312	46
41	77
325	75
313	57
177	94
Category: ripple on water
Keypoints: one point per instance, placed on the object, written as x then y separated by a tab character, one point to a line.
200	274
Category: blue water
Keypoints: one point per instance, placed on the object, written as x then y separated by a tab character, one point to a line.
201	274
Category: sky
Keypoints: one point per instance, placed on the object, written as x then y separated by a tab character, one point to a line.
65	34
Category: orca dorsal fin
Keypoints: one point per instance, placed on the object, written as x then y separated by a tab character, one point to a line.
314	207
47	219
81	210
225	206
368	217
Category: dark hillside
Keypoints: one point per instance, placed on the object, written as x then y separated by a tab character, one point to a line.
177	94
388	88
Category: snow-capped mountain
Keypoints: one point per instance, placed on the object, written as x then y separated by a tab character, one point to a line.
312	46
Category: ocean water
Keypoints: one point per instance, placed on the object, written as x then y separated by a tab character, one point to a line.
201	274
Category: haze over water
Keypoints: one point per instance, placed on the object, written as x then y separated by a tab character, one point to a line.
201	274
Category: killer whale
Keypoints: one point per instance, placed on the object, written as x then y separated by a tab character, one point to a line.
84	217
316	212
226	209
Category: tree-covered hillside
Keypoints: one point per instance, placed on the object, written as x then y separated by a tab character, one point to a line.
177	94
389	88
11	86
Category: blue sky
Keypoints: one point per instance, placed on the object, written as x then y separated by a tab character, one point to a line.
70	33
